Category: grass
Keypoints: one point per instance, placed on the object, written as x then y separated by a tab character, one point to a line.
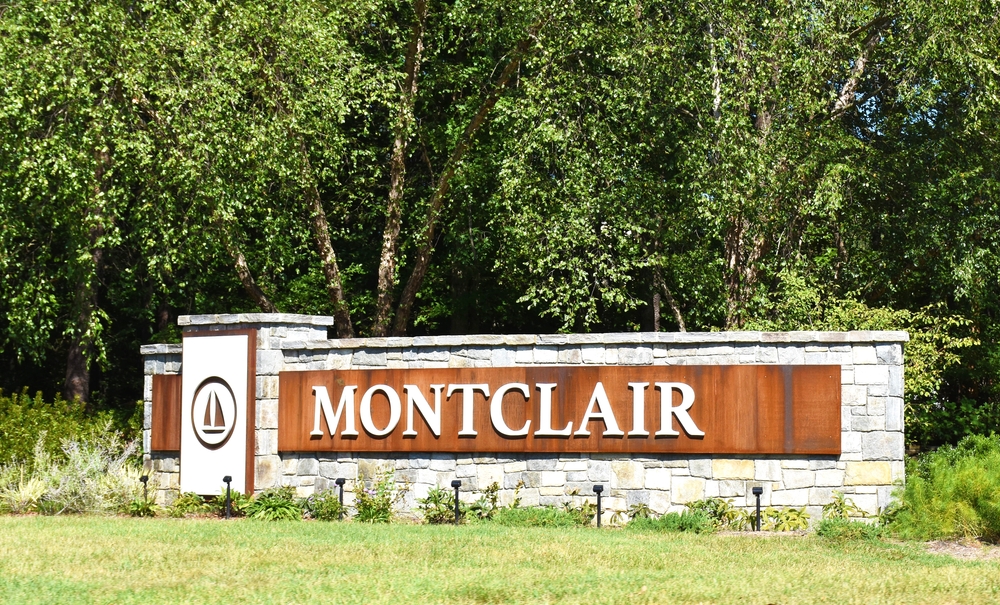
70	560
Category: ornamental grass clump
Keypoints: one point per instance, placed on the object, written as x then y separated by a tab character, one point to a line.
953	492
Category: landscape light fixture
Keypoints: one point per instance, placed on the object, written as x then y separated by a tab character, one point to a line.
145	492
457	483
228	479
340	481
597	490
757	491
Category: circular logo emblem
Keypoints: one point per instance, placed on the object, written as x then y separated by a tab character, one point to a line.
213	413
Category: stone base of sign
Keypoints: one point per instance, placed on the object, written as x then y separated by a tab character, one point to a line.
870	465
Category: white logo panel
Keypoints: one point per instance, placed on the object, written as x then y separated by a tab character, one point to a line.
214	412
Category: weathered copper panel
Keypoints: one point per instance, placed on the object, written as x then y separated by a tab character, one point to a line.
742	409
165	423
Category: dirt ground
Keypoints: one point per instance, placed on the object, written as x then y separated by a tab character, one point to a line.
969	550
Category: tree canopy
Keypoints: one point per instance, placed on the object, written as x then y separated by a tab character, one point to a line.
433	166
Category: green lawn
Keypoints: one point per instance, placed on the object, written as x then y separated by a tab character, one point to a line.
98	560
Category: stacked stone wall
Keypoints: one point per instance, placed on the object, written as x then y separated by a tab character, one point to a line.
870	464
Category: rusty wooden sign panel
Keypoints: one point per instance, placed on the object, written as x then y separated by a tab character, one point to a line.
739	409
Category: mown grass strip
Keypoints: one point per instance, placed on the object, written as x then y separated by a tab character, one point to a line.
116	560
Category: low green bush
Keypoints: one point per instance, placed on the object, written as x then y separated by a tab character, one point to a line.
376	504
275	504
723	514
238	503
541	516
952	492
141	507
837	528
188	503
691	520
324	506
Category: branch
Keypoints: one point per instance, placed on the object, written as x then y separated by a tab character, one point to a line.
397	173
846	98
444	181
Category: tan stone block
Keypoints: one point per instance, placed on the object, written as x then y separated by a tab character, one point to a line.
868	473
626	474
687	489
723	468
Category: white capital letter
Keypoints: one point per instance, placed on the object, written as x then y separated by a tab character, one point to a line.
668	411
545	414
496	410
432	417
323	404
600	397
468	399
638	409
366	410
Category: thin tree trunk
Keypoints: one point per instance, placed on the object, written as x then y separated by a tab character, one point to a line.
81	347
243	270
658	284
397	175
321	233
426	249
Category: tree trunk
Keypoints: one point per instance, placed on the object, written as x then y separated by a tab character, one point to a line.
81	347
397	174
321	233
426	249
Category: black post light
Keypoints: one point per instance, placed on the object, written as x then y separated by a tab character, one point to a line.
340	485
757	491
229	501
145	491
597	490
457	483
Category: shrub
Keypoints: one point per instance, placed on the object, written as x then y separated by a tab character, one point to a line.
543	516
691	520
141	507
842	508
375	504
439	506
785	519
723	514
324	506
26	422
953	492
188	503
275	504
837	528
238	503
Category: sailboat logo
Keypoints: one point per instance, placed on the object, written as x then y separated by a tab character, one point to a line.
213	414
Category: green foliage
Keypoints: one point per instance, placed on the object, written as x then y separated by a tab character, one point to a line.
96	475
188	503
722	513
785	519
275	504
538	516
324	506
375	504
842	508
27	421
690	520
141	507
952	492
640	510
843	529
439	506
239	503
640	152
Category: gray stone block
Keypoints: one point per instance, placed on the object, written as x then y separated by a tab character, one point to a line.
882	446
635	355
